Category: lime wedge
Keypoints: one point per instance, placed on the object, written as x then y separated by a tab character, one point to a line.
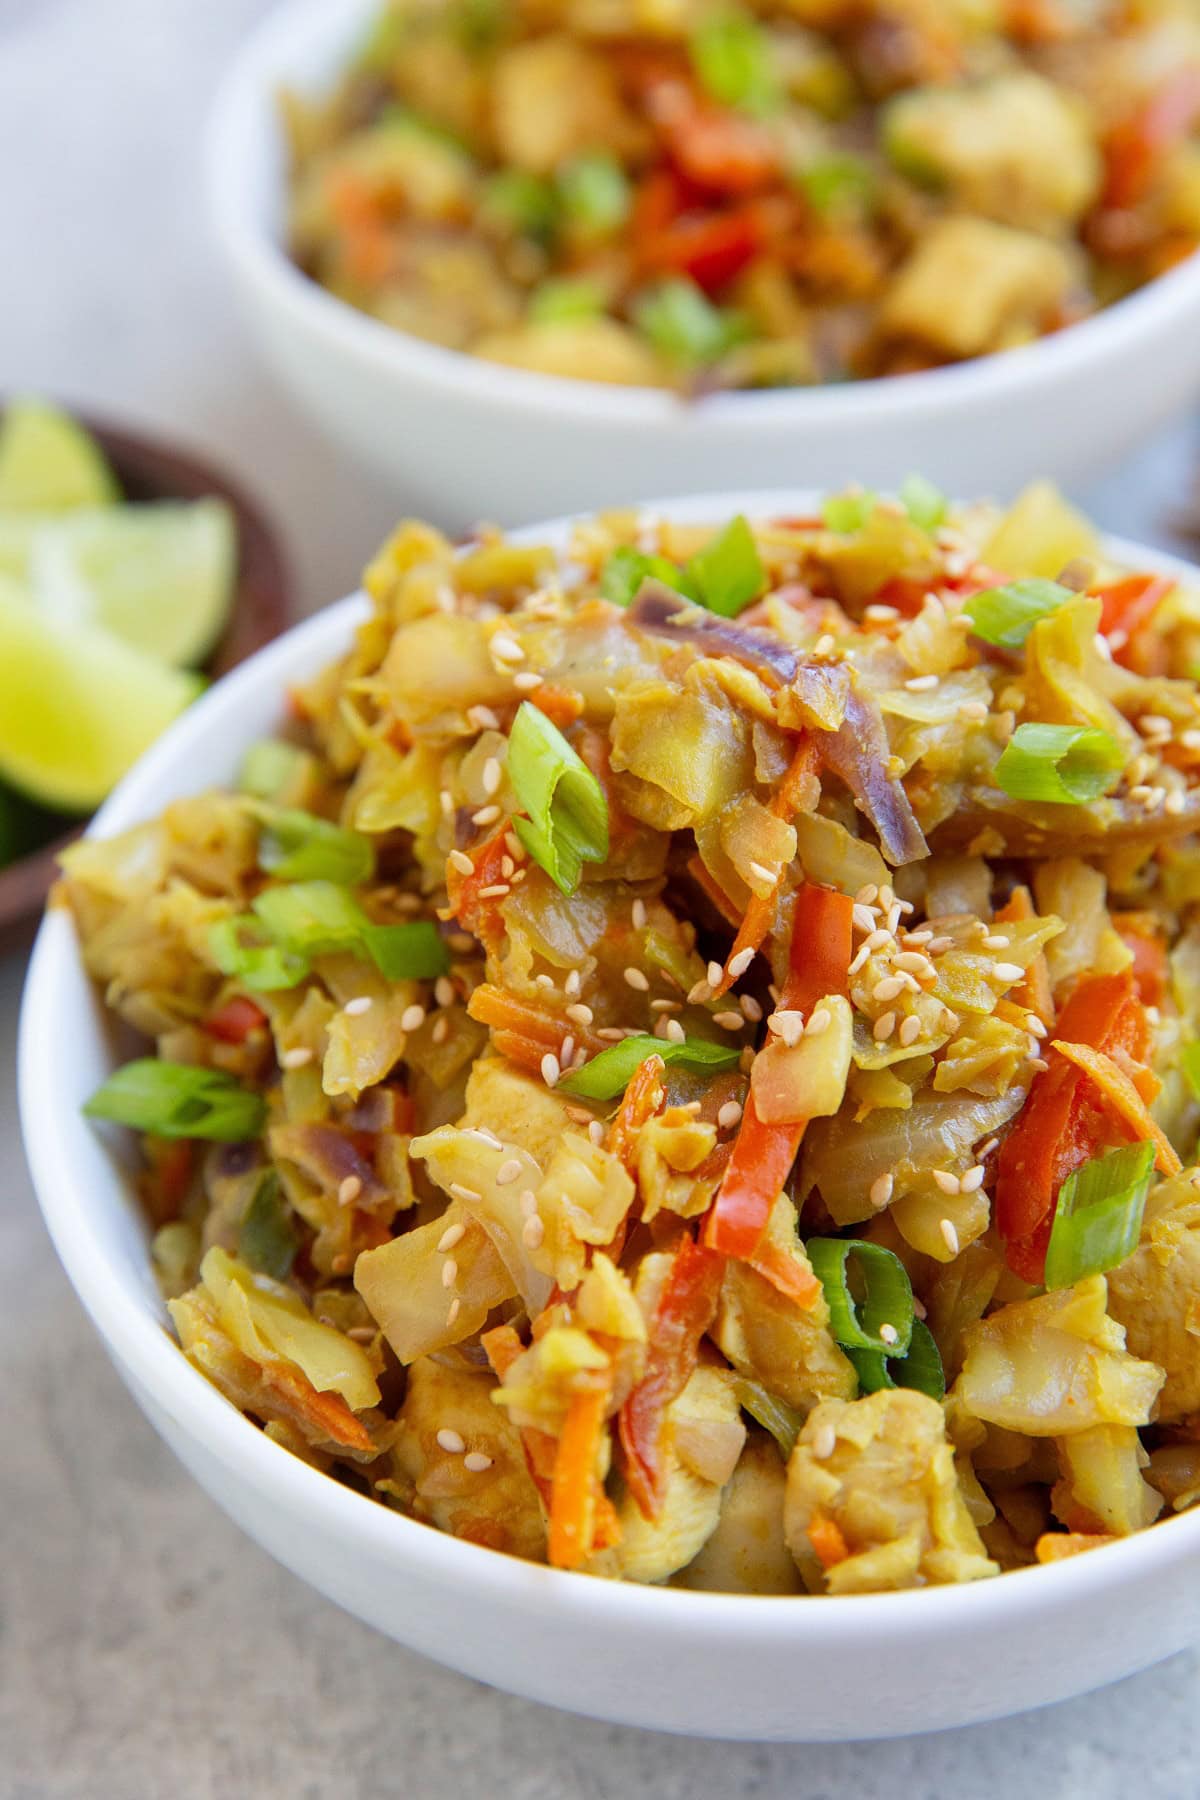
77	707
160	576
49	462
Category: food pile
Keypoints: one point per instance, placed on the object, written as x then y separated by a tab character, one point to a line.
679	1061
702	195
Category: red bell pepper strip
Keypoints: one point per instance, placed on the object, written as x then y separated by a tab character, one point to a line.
791	796
1136	147
1128	605
822	928
686	1308
1141	933
233	1022
1060	1127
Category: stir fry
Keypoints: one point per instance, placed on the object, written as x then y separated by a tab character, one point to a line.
704	195
679	1061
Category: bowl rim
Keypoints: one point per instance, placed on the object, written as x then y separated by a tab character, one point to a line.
235	124
142	1346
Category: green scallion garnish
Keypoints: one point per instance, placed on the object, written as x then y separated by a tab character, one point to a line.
177	1100
595	192
522	203
925	504
1005	616
728	574
848	1266
1189	1062
268	768
921	1368
683	324
1064	765
319	918
733	60
564	299
568	815
610	1073
241	948
847	513
299	846
627	568
266	1240
837	182
1098	1218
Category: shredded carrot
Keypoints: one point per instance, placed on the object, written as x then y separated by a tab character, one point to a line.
366	239
527	1025
1056	1546
465	892
1035	993
1116	1087
792	796
327	1413
574	1490
825	1536
561	705
643	1098
786	1273
716	893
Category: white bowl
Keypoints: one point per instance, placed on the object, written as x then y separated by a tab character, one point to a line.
709	1664
467	440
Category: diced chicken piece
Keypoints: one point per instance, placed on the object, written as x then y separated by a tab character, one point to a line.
1102	1488
770	1338
747	1553
971	286
1155	1295
1016	149
496	1505
551	99
580	349
706	1428
873	1500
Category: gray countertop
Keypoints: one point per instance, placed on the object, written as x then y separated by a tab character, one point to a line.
146	1647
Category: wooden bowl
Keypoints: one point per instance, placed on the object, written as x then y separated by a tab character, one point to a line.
261	609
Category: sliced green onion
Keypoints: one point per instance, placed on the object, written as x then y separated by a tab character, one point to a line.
319	918
176	1100
415	951
1006	615
1098	1219
568	815
728	573
921	1368
564	299
847	513
925	504
610	1073
627	568
479	22
269	768
733	60
1189	1062
837	183
774	1415
522	203
1066	765
595	192
299	846
266	1240
240	949
888	1301
683	324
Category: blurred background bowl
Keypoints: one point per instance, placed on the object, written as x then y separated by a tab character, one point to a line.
466	440
261	609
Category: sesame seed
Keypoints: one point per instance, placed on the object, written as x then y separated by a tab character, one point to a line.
509	1170
296	1059
572	984
1190	739
895	914
760	872
1174	802
458	859
910	1030
881	1190
729	1021
950	1020
1034	1026
486	815
716	974
533	1232
596	1132
483	718
1039	1063
1140	791
527	680
361	1334
491	776
441	1030
946	1180
476	1462
972	1180
638	912
823	1442
883	1027
508	868
356	1008
611	1034
449	1272
949	1235
462	943
664	1006
446	801
739	964
637	980
887	989
566	1050
453	1234
750	1008
443	991
921	684
939	945
918	937
819	1022
996	940
507	648
730	1115
675	1031
514	846
413	1017
461	1191
878	614
824	645
889	1334
877	940
455	1309
527	1201
863	919
858	960
1154	725
452	1442
348	1190
787	1024
993	1143
974	711
913	962
1007	971
550	1069
495	890
581	1014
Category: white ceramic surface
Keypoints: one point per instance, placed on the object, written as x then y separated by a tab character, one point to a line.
468	440
703	1664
